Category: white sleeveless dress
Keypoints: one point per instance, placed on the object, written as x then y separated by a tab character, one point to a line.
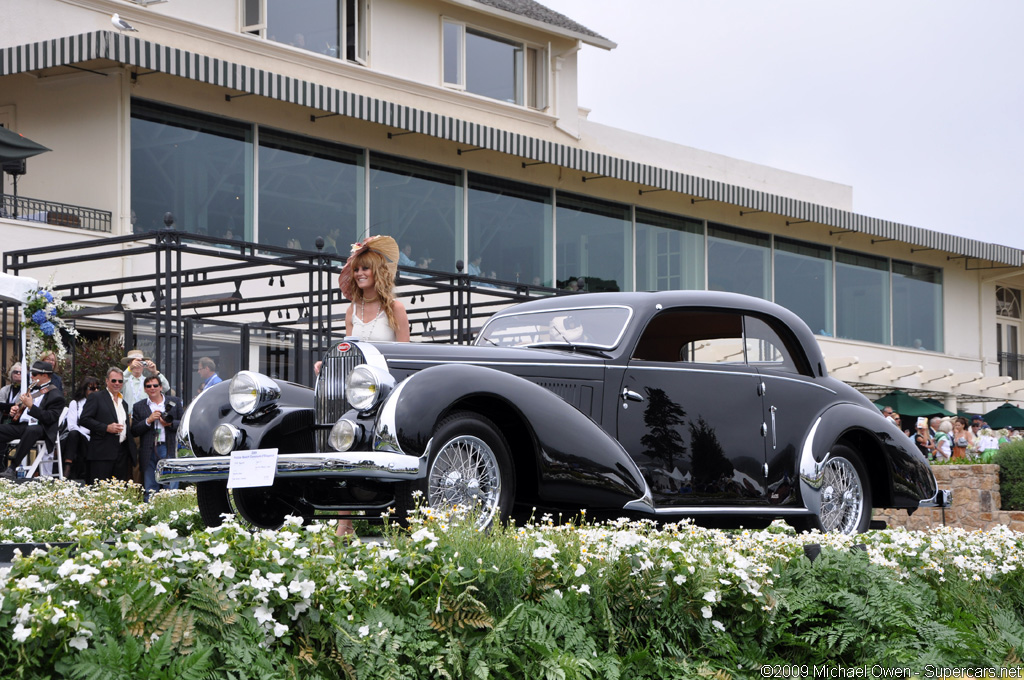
375	330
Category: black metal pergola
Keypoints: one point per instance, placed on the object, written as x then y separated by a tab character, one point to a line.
232	295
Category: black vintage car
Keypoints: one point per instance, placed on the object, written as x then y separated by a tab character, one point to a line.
708	405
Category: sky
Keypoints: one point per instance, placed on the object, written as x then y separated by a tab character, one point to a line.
916	104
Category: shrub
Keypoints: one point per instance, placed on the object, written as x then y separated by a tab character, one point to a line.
1010	460
94	357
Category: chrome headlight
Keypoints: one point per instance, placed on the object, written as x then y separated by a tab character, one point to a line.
366	386
226	438
344	434
250	392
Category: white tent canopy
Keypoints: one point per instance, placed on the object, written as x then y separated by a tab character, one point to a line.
16	289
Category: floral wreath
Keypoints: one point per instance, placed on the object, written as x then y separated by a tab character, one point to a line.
43	311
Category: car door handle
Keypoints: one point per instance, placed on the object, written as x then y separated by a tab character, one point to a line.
774	440
630	395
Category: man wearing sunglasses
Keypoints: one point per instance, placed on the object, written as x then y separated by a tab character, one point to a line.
111	451
154	421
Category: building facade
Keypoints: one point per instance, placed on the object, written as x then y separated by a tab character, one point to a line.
454	126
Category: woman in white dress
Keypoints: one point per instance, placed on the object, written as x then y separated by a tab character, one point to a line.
368	280
374	315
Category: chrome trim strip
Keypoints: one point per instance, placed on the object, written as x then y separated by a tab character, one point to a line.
641	505
373	464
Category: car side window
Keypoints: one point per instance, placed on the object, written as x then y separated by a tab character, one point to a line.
766	348
696	336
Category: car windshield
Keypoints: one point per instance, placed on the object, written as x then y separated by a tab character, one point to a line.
599	327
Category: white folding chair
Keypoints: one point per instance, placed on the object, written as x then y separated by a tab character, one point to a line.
44	455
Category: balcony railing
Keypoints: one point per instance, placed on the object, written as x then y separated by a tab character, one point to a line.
1011	365
49	212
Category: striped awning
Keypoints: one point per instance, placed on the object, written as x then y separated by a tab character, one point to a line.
134	51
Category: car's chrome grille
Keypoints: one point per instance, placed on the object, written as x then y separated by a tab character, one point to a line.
330	389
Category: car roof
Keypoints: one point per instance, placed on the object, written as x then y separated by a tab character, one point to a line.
647	304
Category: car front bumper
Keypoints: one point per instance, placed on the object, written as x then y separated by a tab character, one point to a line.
943	498
381	465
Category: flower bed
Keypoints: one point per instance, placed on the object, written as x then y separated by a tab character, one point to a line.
572	600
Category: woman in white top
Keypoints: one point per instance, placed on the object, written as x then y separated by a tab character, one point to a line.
368	280
73	446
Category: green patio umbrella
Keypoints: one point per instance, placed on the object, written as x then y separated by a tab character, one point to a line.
906	405
1006	415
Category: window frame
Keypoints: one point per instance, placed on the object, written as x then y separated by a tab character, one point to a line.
258	27
531	82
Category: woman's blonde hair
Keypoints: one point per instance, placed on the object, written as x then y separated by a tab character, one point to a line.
383	283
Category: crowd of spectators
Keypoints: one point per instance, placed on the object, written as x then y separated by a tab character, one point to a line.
118	427
943	439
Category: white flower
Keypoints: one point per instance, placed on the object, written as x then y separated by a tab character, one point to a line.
79	642
580	570
21	633
280	629
719	625
679	579
706	612
584	589
58	614
218	549
711	596
68	567
364	631
263	614
303	588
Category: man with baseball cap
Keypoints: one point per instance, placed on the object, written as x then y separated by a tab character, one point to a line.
139	368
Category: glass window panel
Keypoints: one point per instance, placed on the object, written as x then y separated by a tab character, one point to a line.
251	15
767	349
916	306
494	67
862	297
1008	302
594	242
418	204
669	252
535	88
355	30
312	25
803	282
309	188
510	228
452	53
197	167
739	261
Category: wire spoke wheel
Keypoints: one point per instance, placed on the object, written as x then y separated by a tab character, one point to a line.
471	469
842	497
465	473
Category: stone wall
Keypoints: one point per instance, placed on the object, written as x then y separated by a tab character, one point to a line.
975	502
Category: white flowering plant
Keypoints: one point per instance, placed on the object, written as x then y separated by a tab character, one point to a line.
44	319
551	598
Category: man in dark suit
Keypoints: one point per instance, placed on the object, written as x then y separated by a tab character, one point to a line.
36	416
111	450
155	421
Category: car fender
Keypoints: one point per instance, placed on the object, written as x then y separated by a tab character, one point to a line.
288	426
575	457
880	443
